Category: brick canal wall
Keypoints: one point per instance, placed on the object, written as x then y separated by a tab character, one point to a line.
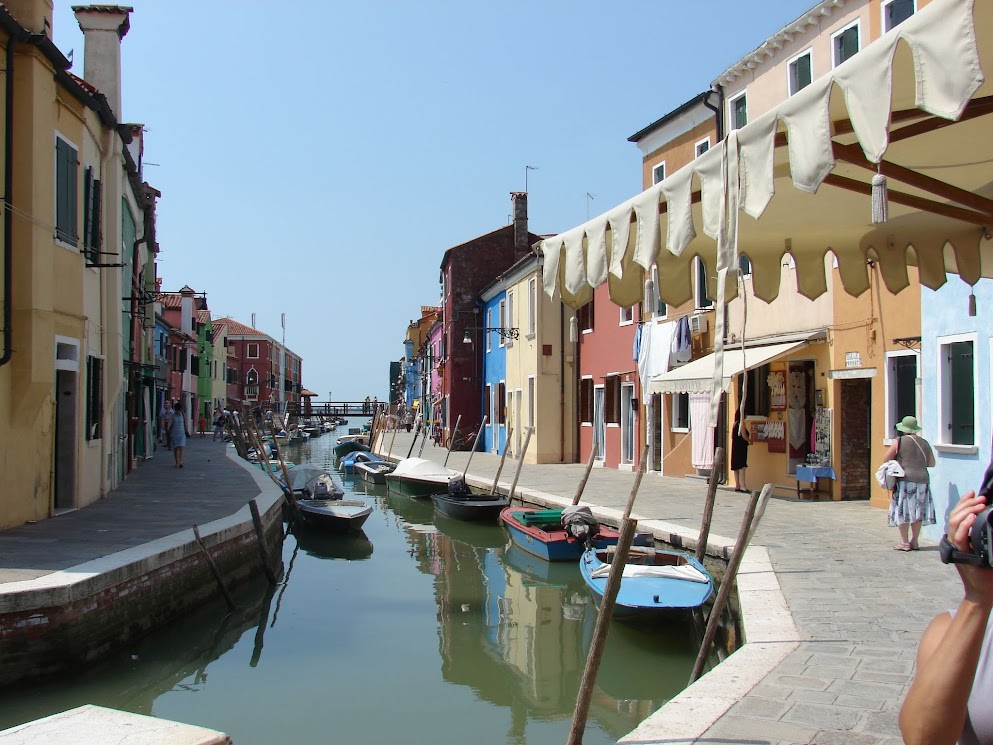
69	619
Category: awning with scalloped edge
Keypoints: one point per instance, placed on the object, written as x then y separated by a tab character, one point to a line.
913	104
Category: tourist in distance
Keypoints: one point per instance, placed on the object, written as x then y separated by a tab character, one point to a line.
218	425
911	504
949	700
165	422
741	438
179	431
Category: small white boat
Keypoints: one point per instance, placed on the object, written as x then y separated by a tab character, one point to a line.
373	471
339	515
419	477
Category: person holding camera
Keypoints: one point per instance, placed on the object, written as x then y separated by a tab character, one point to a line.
949	700
911	504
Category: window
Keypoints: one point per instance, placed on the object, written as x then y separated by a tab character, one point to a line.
680	412
66	174
253	350
503	319
896	12
510	317
700	285
532	306
627	316
489	334
738	110
799	71
757	398
501	413
532	404
91	217
658	172
94	398
612	399
845	43
744	265
901	389
586	400
661	310
585	316
702	146
957	376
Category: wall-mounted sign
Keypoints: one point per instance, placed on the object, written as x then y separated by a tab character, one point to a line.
853	359
777	389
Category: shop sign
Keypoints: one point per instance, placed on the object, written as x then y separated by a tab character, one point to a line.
853	359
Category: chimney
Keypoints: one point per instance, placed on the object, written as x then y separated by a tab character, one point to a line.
34	15
103	27
520	202
186	309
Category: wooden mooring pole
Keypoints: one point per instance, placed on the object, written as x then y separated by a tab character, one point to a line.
262	543
475	442
744	533
708	507
451	440
606	611
214	569
520	464
503	457
586	475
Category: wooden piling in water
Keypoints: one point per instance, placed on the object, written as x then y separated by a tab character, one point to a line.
262	543
586	475
708	507
475	442
214	569
451	440
503	457
520	463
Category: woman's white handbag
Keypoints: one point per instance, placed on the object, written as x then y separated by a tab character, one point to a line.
888	473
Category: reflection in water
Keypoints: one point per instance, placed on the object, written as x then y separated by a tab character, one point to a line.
445	630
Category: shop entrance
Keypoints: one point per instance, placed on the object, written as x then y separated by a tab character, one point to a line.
855	405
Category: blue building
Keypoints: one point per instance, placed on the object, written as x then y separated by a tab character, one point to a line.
956	362
494	368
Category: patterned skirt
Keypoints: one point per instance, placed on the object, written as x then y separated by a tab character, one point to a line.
911	503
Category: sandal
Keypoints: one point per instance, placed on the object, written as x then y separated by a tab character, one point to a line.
903	547
913	546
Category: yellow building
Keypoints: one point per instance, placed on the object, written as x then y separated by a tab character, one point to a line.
66	402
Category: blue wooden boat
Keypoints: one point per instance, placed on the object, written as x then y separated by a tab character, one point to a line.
349	460
655	583
540	532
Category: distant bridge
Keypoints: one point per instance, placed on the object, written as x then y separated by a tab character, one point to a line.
330	408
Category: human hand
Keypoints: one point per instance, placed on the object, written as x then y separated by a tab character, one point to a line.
978	581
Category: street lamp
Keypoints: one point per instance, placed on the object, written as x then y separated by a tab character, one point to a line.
511	333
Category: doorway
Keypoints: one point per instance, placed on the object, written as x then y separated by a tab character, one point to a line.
856	463
628	414
66	408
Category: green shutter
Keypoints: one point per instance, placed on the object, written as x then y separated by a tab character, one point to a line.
962	423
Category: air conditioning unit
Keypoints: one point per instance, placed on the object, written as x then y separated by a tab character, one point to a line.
698	324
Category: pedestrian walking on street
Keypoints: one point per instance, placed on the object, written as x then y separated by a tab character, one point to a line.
202	424
911	504
167	418
741	438
218	425
180	430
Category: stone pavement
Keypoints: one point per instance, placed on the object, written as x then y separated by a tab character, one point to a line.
858	605
156	500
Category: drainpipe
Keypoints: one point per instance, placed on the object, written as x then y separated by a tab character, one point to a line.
8	188
718	109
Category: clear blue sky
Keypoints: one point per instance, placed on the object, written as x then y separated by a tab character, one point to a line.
317	158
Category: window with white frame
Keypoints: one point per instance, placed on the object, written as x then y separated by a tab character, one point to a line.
702	146
901	389
744	265
700	297
658	172
800	72
627	316
66	177
510	316
585	316
659	308
253	350
532	306
957	391
489	334
680	420
896	12
845	43
503	318
738	111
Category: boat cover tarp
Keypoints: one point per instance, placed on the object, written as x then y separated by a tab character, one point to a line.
686	572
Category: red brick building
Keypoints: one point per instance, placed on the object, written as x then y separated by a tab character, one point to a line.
466	270
259	368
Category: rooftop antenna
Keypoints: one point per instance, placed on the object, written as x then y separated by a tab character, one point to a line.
526	169
253	320
589	198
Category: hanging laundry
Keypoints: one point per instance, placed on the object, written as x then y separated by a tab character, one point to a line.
702	455
638	331
682	343
656	343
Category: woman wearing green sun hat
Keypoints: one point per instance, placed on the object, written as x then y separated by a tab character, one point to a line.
911	504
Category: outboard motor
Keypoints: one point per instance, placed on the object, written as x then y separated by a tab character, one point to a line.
457	487
580	524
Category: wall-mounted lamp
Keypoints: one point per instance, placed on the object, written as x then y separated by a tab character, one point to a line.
505	333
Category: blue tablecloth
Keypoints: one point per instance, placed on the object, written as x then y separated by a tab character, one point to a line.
812	473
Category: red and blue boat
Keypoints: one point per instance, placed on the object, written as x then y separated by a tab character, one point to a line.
541	532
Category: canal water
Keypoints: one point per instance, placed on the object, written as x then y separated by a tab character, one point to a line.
419	629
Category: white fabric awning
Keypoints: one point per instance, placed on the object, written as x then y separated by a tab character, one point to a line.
698	375
890	105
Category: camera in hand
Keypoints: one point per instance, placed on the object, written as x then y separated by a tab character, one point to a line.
981	535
